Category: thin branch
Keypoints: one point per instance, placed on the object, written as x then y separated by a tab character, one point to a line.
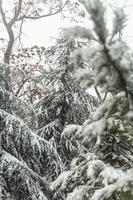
8	26
98	94
19	34
42	16
105	96
3	14
21	86
16	13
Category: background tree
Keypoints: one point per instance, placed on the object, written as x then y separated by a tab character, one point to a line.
19	11
66	102
15	136
15	13
27	75
26	157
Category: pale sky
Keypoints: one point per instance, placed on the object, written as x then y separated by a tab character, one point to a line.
39	32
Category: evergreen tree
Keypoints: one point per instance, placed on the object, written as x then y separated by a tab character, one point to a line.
32	137
105	170
66	104
27	162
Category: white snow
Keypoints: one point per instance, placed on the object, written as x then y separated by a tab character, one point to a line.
61	181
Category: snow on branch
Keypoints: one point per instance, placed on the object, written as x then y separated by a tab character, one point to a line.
109	58
19	180
78	32
21	142
93	179
123	184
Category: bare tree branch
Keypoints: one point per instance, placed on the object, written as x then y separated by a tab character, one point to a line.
42	16
98	94
16	13
3	14
8	26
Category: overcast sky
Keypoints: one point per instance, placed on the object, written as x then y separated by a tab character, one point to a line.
39	32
